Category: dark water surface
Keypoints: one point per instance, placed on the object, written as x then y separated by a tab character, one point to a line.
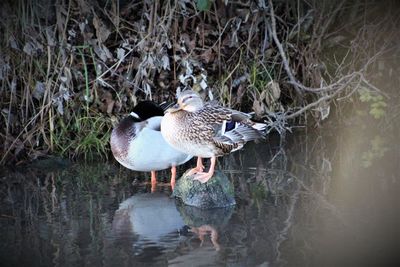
326	198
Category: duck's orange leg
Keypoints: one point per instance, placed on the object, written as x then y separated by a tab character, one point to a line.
173	177
199	167
203	177
153	181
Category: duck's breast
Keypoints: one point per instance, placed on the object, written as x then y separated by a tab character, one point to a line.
149	151
187	135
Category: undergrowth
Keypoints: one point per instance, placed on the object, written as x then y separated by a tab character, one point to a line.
68	69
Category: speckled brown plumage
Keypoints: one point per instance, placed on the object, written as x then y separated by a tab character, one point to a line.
204	128
206	131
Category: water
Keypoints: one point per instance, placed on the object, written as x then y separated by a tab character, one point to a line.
321	198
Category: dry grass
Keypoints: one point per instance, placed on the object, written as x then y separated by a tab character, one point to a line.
68	68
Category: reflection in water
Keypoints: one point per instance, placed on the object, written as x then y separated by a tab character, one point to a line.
156	224
152	217
311	201
204	230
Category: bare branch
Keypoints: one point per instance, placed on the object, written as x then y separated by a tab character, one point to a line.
281	51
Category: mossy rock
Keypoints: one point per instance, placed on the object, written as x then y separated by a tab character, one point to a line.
218	192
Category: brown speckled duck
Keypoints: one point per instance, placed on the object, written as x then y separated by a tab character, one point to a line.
207	130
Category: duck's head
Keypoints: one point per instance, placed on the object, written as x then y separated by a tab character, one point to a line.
145	110
188	100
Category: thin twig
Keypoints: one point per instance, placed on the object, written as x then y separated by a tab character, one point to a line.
281	51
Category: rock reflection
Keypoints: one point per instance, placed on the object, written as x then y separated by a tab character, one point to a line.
202	223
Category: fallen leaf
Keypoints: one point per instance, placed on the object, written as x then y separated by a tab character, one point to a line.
207	56
4	68
120	54
39	90
165	62
258	108
102	32
101	51
274	88
50	36
29	48
13	42
203	84
107	102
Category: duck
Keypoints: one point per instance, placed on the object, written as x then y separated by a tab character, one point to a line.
137	143
207	130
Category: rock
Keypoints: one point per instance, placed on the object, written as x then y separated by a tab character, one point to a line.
218	192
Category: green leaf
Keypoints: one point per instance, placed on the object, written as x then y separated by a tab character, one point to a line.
377	113
365	96
203	5
382	104
379	104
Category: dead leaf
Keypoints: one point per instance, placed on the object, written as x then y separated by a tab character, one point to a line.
60	107
120	54
13	42
207	56
50	36
240	80
324	109
39	90
19	146
203	84
107	102
258	108
29	48
4	68
102	32
331	42
101	51
165	62
275	90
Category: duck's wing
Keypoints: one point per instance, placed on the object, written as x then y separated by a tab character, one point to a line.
231	128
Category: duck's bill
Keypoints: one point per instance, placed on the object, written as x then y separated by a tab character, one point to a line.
173	108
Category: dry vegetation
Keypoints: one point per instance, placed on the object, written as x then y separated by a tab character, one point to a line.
69	68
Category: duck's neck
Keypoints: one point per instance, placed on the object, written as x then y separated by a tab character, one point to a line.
179	114
125	125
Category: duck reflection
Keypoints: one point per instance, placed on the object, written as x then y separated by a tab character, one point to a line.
155	224
151	217
204	230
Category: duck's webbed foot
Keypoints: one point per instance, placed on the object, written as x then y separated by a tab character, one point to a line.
199	167
203	177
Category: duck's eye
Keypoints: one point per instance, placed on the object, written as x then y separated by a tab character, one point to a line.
187	98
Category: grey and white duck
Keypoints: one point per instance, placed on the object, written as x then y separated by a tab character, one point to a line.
137	142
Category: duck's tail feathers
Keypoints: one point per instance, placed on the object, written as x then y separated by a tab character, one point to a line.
166	105
262	127
241	133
